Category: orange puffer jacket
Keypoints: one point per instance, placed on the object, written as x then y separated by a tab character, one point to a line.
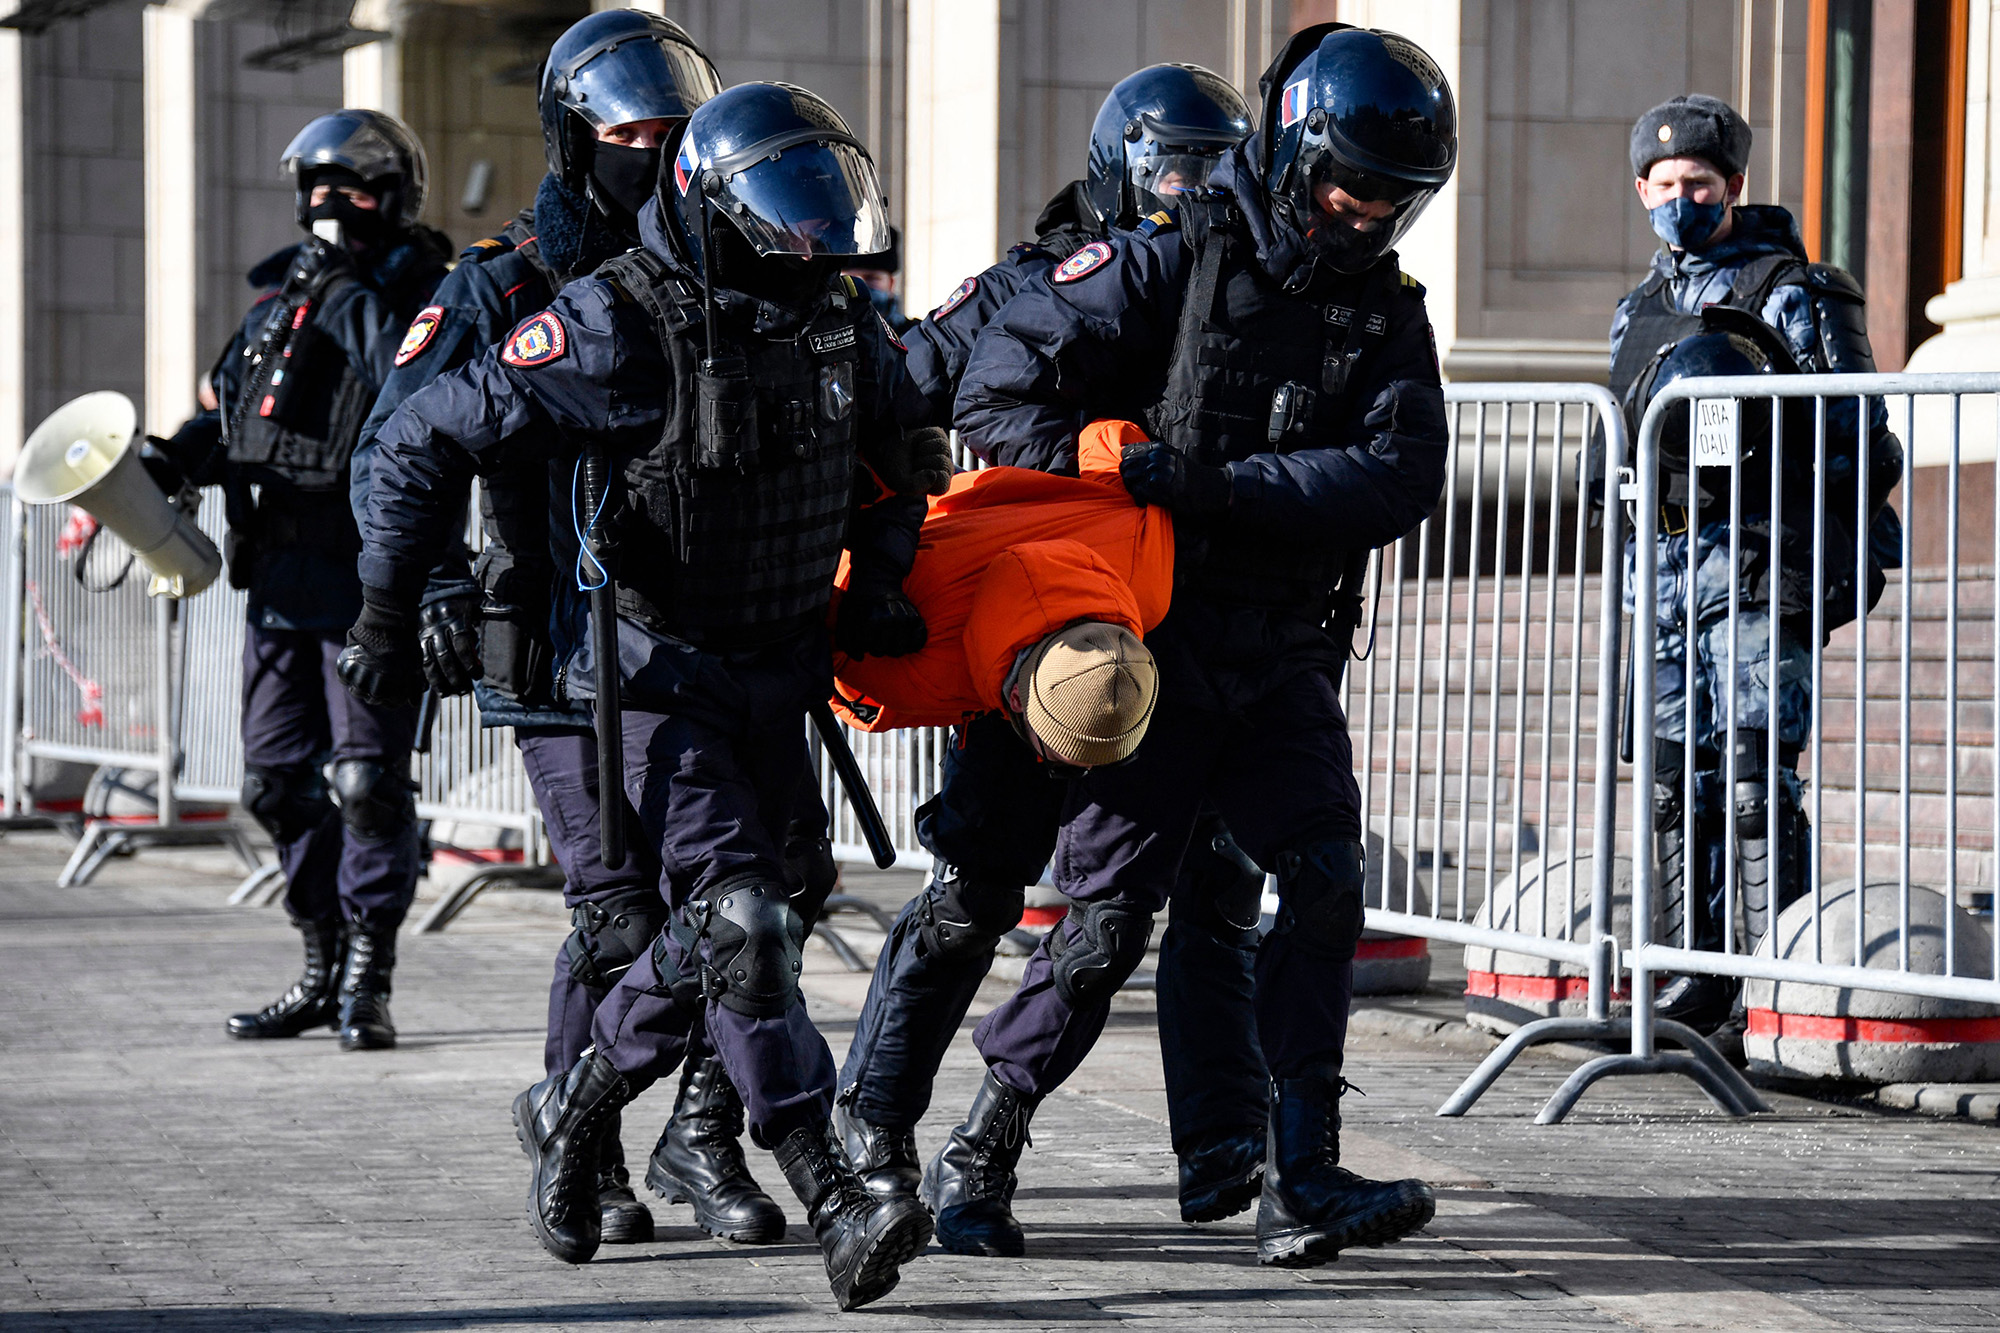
1007	557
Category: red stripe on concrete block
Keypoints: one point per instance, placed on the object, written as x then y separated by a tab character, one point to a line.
1397	946
1926	1031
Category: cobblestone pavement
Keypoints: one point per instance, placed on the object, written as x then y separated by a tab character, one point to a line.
154	1175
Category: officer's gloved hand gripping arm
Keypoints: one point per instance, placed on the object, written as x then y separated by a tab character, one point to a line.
1061	354
899	468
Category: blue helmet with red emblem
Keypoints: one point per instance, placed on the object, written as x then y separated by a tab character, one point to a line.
779	167
617	67
1360	134
1159	134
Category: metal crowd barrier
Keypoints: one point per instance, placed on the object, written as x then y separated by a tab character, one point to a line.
1916	816
1483	711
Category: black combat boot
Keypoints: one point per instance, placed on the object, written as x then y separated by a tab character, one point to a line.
970	1186
864	1239
884	1158
622	1219
699	1161
312	1000
1222	1177
1313	1208
364	990
561	1122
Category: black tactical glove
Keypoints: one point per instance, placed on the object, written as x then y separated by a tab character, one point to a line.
1155	474
382	664
879	621
448	635
919	464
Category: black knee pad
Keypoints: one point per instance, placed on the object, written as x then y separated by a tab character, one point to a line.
1221	890
1319	896
288	800
1111	942
611	935
376	804
811	860
963	919
754	941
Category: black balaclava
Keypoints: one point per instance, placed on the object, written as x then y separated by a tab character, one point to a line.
362	228
623	178
789	281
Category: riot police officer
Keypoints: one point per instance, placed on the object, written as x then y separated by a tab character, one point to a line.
614	89
293	388
993	823
729	382
1287	372
1717	255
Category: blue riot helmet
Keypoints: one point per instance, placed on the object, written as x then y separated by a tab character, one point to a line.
1731	342
1369	114
1159	134
615	68
777	168
357	146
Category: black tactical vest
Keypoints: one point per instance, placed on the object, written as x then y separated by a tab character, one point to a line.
752	544
302	404
1257	369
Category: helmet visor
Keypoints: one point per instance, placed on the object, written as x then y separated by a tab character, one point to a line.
1165	172
342	139
813	198
642	77
1353	218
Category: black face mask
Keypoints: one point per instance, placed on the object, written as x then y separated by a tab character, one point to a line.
361	228
624	177
789	281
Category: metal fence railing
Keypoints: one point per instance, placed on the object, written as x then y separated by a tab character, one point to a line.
1897	749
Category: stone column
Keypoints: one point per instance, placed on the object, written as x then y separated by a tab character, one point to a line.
1969	309
173	353
13	254
951	187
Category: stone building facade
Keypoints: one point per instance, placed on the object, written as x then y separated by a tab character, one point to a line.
138	147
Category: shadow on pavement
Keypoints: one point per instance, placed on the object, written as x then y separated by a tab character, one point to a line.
289	1319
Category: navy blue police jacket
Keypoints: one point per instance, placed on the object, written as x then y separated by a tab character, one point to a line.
941	342
1096	338
604	377
303	576
499	282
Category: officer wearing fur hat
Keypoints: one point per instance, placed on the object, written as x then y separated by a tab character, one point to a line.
1719	258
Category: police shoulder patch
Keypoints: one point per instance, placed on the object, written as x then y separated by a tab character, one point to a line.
422	329
959	296
536	341
1084	262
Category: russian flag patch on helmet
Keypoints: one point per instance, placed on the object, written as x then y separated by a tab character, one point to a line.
538	340
1292	106
956	299
1084	262
685	164
422	329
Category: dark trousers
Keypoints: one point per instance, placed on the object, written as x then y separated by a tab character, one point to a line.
1280	772
995	820
562	769
297	714
714	780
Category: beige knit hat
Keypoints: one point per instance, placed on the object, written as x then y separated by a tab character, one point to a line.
1090	693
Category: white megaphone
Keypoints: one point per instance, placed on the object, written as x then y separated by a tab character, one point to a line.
84	455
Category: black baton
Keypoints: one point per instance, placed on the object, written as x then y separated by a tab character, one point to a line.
859	798
604	669
427	716
1345	616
